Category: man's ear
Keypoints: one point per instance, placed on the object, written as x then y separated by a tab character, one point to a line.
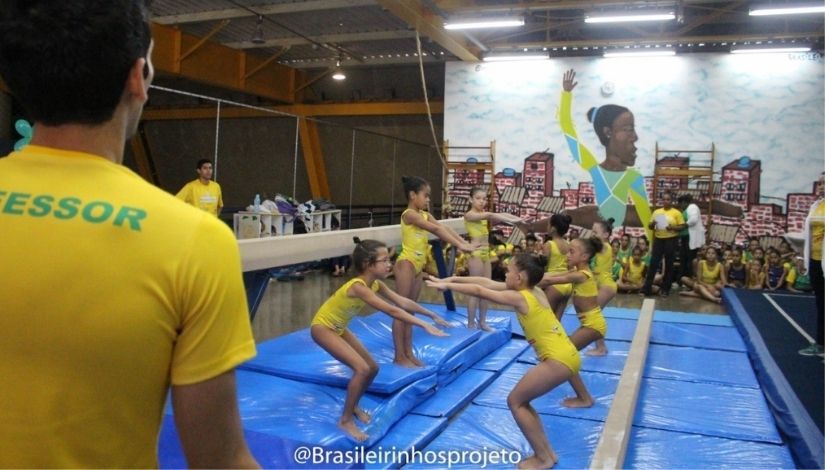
136	80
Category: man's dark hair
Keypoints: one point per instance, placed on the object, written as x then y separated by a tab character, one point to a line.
202	162
67	62
685	199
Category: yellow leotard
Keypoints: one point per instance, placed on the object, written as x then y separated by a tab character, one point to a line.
414	243
710	277
557	263
603	267
634	272
339	309
544	332
592	318
479	229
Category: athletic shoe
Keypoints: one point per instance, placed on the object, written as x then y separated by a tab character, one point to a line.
813	350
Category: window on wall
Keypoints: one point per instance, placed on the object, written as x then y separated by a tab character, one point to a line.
741	186
534	166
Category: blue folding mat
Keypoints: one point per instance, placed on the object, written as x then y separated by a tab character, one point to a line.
656	448
309	413
502	357
481	434
296	355
704	408
411	433
451	398
601	386
724	338
488	342
671	317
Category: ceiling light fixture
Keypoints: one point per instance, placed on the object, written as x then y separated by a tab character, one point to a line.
480	23
258	35
515	57
620	18
338	74
769	50
609	55
769	10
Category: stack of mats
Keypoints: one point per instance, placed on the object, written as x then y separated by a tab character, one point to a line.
699	405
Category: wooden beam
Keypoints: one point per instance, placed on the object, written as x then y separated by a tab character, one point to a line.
428	24
313	80
215	30
340	109
263	64
326	38
612	447
314	159
665	39
476	6
708	18
277	9
220	66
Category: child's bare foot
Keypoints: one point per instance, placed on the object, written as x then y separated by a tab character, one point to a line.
534	462
597	351
362	415
350	428
405	362
577	402
471	325
484	326
416	361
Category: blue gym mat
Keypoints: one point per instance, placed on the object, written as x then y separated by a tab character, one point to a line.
309	412
412	432
496	319
480	431
269	451
612	363
601	386
646	450
703	408
488	342
502	357
456	395
296	356
698	336
700	365
671	317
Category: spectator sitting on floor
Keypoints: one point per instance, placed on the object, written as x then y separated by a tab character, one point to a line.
756	276
801	281
737	270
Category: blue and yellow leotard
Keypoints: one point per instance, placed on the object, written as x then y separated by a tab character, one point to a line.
544	332
339	309
612	188
414	243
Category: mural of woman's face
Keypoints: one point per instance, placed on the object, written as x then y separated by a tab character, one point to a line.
623	139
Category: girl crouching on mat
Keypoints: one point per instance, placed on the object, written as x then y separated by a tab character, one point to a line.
585	300
602	265
416	225
477	221
559	358
372	263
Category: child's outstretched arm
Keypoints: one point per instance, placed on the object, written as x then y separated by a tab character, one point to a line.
370	298
410	305
441	231
573	277
506	297
493	217
478	280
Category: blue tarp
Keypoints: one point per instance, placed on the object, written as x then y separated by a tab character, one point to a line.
697	336
699	365
488	342
297	357
456	395
601	386
703	408
309	412
502	357
412	432
647	451
482	431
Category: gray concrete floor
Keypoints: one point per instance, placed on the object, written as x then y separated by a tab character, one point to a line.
290	306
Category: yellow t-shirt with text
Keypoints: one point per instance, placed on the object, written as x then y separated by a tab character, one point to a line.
203	196
112	290
817	231
674	217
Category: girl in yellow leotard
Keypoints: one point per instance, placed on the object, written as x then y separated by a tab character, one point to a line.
559	357
602	266
585	300
416	225
556	252
477	221
635	269
329	326
708	278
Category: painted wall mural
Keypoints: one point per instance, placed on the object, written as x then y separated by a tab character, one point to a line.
761	118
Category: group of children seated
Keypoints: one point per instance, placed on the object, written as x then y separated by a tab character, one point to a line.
714	267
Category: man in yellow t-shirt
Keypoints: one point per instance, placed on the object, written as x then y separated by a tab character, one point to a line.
814	246
107	298
203	193
666	223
